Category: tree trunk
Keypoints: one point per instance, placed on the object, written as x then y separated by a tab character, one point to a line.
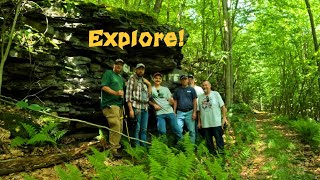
36	162
5	55
314	36
157	6
228	48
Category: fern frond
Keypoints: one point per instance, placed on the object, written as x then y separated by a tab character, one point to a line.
157	171
245	154
27	177
97	160
39	138
71	172
139	152
187	145
160	151
18	141
31	130
58	135
48	127
215	169
187	163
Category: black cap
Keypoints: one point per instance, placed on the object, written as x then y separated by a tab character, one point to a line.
183	76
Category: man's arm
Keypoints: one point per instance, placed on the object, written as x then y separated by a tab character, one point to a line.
224	114
129	97
194	113
108	90
199	119
175	106
148	85
155	105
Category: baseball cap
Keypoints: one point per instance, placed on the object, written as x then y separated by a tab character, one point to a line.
183	76
119	60
140	65
190	76
157	74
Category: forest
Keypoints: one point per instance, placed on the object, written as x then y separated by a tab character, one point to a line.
261	56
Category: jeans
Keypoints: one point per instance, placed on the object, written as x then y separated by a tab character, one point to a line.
217	133
186	118
141	116
161	124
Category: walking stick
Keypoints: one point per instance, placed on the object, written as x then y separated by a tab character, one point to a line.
125	121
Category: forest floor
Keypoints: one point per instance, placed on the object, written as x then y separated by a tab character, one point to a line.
277	154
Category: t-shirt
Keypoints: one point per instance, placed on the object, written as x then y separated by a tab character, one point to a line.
198	90
161	97
210	109
185	97
116	83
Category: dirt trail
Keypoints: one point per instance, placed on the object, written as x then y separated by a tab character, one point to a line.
301	155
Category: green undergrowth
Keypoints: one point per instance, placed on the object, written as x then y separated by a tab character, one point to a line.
308	130
280	151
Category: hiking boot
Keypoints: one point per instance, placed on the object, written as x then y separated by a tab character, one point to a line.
116	154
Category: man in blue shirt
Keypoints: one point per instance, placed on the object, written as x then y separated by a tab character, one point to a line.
185	106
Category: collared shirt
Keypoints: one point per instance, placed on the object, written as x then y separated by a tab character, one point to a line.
184	97
137	92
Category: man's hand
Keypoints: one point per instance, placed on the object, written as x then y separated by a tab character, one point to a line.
131	114
120	93
194	115
157	107
199	126
146	81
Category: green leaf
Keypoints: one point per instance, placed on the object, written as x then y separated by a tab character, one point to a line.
35	107
22	104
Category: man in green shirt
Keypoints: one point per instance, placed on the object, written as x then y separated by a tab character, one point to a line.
112	85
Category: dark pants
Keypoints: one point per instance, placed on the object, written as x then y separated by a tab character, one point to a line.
217	133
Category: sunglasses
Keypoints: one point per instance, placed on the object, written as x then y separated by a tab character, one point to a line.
160	95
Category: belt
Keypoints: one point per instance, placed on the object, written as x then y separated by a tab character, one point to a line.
185	110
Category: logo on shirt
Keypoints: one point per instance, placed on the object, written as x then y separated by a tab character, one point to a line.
206	103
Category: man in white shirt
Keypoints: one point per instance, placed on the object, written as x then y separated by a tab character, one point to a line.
212	115
199	91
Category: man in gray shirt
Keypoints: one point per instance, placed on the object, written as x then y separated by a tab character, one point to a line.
162	102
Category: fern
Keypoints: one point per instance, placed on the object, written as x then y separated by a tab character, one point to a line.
245	154
41	138
97	159
59	134
31	130
188	147
139	153
216	169
18	141
71	172
48	128
27	177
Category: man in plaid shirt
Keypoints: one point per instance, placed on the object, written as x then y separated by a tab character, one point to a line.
137	96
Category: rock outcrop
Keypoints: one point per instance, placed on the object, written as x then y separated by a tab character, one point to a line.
63	72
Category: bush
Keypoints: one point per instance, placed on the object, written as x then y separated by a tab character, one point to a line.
308	130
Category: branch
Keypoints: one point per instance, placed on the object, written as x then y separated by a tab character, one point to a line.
75	120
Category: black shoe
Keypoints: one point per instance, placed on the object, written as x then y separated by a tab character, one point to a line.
116	154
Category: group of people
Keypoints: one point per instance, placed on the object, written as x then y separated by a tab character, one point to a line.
190	106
